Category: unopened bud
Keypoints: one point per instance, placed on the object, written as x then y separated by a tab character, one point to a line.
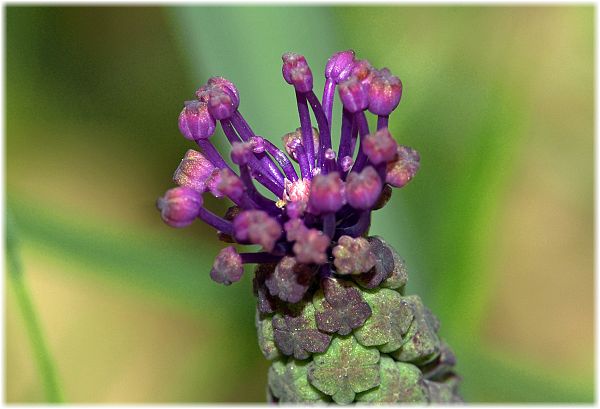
296	72
179	206
193	171
363	189
385	91
227	267
380	146
195	122
339	66
326	193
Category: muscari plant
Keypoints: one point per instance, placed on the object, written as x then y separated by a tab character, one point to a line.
332	314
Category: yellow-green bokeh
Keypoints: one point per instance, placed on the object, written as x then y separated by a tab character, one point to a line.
496	229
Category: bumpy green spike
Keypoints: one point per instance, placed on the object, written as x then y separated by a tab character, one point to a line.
422	342
390	320
345	369
400	383
288	382
266	342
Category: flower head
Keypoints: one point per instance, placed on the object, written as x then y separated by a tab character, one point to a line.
321	198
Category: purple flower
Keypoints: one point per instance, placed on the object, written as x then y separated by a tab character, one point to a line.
320	197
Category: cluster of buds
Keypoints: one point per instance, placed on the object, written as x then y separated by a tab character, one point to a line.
329	195
317	267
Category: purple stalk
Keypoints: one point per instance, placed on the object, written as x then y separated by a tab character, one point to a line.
212	154
346	137
382	121
363	130
329	224
282	159
358	229
328	95
254	194
324	133
260	173
215	221
243	128
307	138
259	258
303	162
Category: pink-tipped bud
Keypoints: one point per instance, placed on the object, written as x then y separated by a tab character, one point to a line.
292	140
311	247
257	144
294	229
193	171
179	206
326	193
329	154
218	84
401	170
339	66
380	146
221	105
363	189
227	267
353	255
354	95
347	163
257	227
362	70
385	91
241	152
195	122
224	182
296	72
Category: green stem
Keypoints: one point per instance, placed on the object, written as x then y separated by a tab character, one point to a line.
41	353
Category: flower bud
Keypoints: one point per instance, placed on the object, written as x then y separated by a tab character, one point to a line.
402	169
353	255
354	95
291	141
221	84
296	72
227	267
363	189
179	206
193	171
257	227
294	229
240	153
221	105
195	122
346	163
380	146
385	91
224	182
311	247
339	66
257	144
362	70
326	193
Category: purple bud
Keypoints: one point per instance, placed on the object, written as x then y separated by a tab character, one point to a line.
326	193
241	152
257	227
294	229
402	169
362	70
258	144
354	95
179	206
353	255
193	171
296	72
347	163
339	66
218	84
385	91
380	146
221	105
295	209
329	154
292	140
227	267
195	122
363	189
311	247
224	182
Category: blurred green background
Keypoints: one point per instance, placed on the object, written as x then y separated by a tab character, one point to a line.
497	228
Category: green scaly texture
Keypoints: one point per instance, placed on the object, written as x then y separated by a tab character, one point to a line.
395	356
